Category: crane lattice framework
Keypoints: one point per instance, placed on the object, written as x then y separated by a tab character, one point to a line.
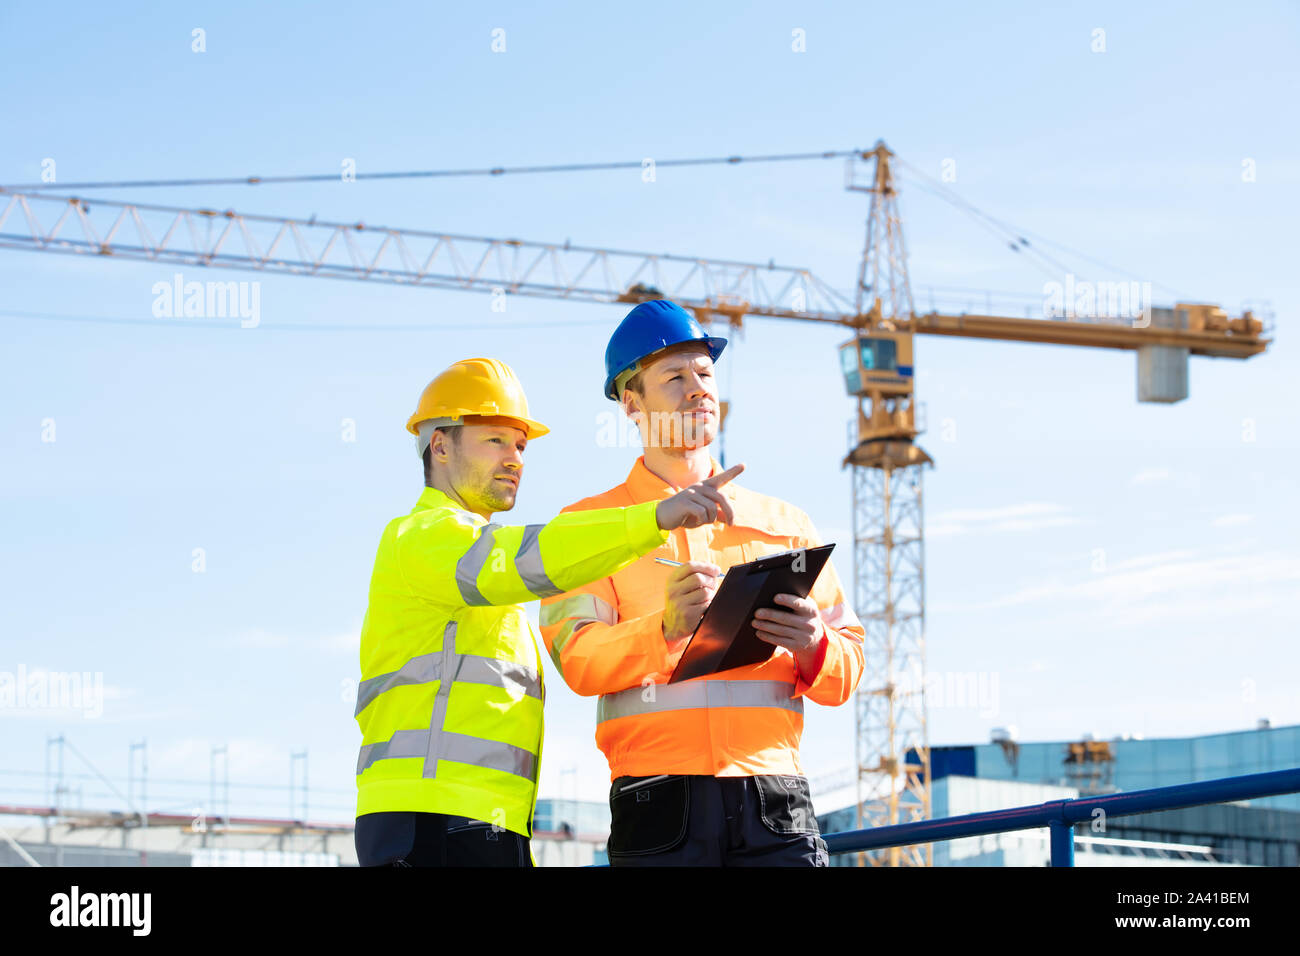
876	363
888	547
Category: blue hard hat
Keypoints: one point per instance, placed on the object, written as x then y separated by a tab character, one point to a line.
650	327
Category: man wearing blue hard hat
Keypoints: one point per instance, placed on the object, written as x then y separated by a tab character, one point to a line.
705	772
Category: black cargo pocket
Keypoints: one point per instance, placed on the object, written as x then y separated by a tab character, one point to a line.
647	814
472	842
466	826
785	805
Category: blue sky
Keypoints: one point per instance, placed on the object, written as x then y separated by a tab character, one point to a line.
173	435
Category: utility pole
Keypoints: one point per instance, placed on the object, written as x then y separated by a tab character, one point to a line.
143	812
224	753
293	764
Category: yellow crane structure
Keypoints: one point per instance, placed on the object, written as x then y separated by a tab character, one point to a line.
877	362
889	581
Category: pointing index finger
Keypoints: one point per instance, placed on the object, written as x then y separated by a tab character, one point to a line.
720	479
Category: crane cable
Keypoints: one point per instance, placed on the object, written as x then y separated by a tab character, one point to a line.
1012	237
1015	235
440	173
1047	264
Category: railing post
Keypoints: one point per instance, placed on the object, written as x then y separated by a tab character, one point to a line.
1062	842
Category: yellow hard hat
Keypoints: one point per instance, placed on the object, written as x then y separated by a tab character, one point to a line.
480	388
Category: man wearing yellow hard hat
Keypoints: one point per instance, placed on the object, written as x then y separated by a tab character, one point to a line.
450	698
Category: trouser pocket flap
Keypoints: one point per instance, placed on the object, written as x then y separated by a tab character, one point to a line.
785	804
648	814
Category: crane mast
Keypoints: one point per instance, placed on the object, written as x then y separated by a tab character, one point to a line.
891	744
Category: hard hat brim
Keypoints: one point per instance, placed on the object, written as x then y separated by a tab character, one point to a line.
531	429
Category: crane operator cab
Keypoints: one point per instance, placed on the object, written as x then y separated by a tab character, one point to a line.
880	362
877	369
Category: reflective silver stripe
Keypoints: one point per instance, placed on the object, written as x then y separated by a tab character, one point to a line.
494	672
437	743
492	754
528	561
584	605
449	669
418	670
404	743
562	638
841	615
473	670
692	695
460	748
471	563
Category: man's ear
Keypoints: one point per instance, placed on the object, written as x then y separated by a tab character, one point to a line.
632	405
438	446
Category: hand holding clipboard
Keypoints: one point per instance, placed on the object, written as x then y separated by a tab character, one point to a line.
746	619
793	626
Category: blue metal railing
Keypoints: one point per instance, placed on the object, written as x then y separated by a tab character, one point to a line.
1061	815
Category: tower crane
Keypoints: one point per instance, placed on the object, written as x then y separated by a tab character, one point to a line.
891	743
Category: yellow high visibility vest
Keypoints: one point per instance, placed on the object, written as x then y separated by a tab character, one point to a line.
450	698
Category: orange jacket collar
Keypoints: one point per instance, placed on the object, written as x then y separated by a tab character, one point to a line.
645	485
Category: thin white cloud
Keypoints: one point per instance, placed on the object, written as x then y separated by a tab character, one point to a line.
1027	516
1034	524
943	530
1158	558
1027	509
1168	585
262	639
1232	520
1149	475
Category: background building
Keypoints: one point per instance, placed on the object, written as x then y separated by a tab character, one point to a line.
965	779
566	833
1009	773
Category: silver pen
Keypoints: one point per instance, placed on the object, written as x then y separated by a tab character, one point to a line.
677	564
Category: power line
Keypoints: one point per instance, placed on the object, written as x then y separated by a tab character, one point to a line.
181	322
177	780
176	803
442	173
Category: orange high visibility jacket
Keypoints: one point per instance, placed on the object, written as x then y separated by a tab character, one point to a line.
606	638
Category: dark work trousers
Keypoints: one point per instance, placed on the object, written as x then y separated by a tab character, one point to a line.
409	838
691	820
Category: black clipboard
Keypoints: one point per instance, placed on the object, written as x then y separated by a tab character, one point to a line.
725	637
